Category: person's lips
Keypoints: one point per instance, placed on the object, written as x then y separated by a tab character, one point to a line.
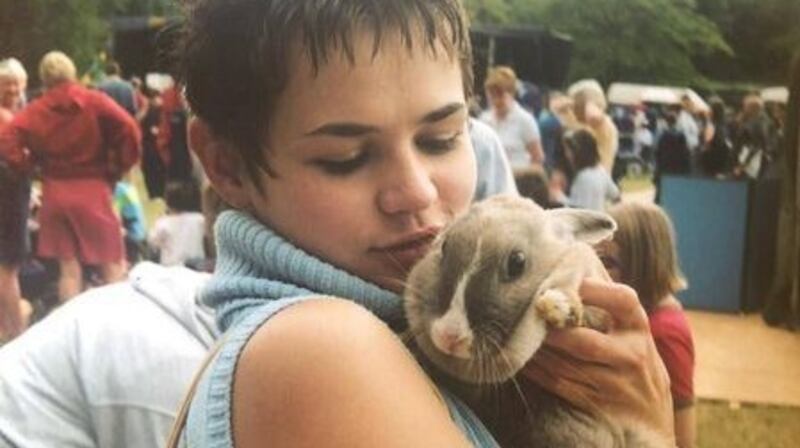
407	250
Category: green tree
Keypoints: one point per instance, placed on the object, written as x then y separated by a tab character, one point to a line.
489	11
30	28
763	34
633	40
34	27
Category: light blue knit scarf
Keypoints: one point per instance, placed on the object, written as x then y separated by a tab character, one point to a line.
255	265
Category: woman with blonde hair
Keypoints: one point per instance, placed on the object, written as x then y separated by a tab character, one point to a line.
14	198
589	106
83	143
642	255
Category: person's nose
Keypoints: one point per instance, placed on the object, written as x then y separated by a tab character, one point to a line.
409	186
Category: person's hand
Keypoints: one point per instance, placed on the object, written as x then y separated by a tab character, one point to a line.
619	374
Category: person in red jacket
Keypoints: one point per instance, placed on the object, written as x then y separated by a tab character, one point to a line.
82	143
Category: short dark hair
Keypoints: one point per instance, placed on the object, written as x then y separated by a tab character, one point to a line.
244	45
113	68
532	183
584	149
183	196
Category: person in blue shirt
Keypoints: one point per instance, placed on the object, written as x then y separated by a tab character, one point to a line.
129	207
551	130
118	89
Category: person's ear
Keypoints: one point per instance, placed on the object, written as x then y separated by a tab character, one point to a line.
222	163
589	226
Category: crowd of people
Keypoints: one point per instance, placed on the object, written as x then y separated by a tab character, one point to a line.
683	138
332	186
85	223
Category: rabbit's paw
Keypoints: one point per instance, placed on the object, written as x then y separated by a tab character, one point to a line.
559	309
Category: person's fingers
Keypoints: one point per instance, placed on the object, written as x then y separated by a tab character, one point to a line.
619	300
593	386
563	378
561	366
586	344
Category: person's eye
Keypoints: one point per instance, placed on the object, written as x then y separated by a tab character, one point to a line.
439	145
343	167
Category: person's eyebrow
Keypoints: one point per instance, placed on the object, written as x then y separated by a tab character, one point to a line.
345	129
442	113
350	129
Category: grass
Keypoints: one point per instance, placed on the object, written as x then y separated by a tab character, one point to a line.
635	184
723	425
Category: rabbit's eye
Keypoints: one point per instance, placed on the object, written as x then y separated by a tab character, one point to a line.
515	265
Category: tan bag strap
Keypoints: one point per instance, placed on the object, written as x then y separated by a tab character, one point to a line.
183	411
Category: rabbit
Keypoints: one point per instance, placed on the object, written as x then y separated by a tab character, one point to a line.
479	305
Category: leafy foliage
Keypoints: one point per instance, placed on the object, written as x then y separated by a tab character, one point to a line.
660	41
763	34
31	28
632	40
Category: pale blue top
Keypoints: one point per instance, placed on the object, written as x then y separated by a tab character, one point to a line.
258	274
592	188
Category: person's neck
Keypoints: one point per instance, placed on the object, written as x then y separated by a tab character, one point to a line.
668	302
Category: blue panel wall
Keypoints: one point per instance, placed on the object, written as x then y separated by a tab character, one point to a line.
710	218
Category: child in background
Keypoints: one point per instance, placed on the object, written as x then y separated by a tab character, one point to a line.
533	183
642	255
129	207
178	236
591	186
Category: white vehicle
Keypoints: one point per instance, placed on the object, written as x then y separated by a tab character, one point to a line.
626	94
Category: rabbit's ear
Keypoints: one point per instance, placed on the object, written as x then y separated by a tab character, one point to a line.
589	226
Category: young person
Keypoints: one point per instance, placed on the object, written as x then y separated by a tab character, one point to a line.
178	236
591	187
644	230
340	140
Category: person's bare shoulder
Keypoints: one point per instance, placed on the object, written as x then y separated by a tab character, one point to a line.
329	373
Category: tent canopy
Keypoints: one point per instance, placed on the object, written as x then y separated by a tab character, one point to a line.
632	94
775	95
537	54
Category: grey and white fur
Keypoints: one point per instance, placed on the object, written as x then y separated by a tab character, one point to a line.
479	306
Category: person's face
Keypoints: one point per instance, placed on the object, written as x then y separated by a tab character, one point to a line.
372	159
499	100
608	251
10	90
